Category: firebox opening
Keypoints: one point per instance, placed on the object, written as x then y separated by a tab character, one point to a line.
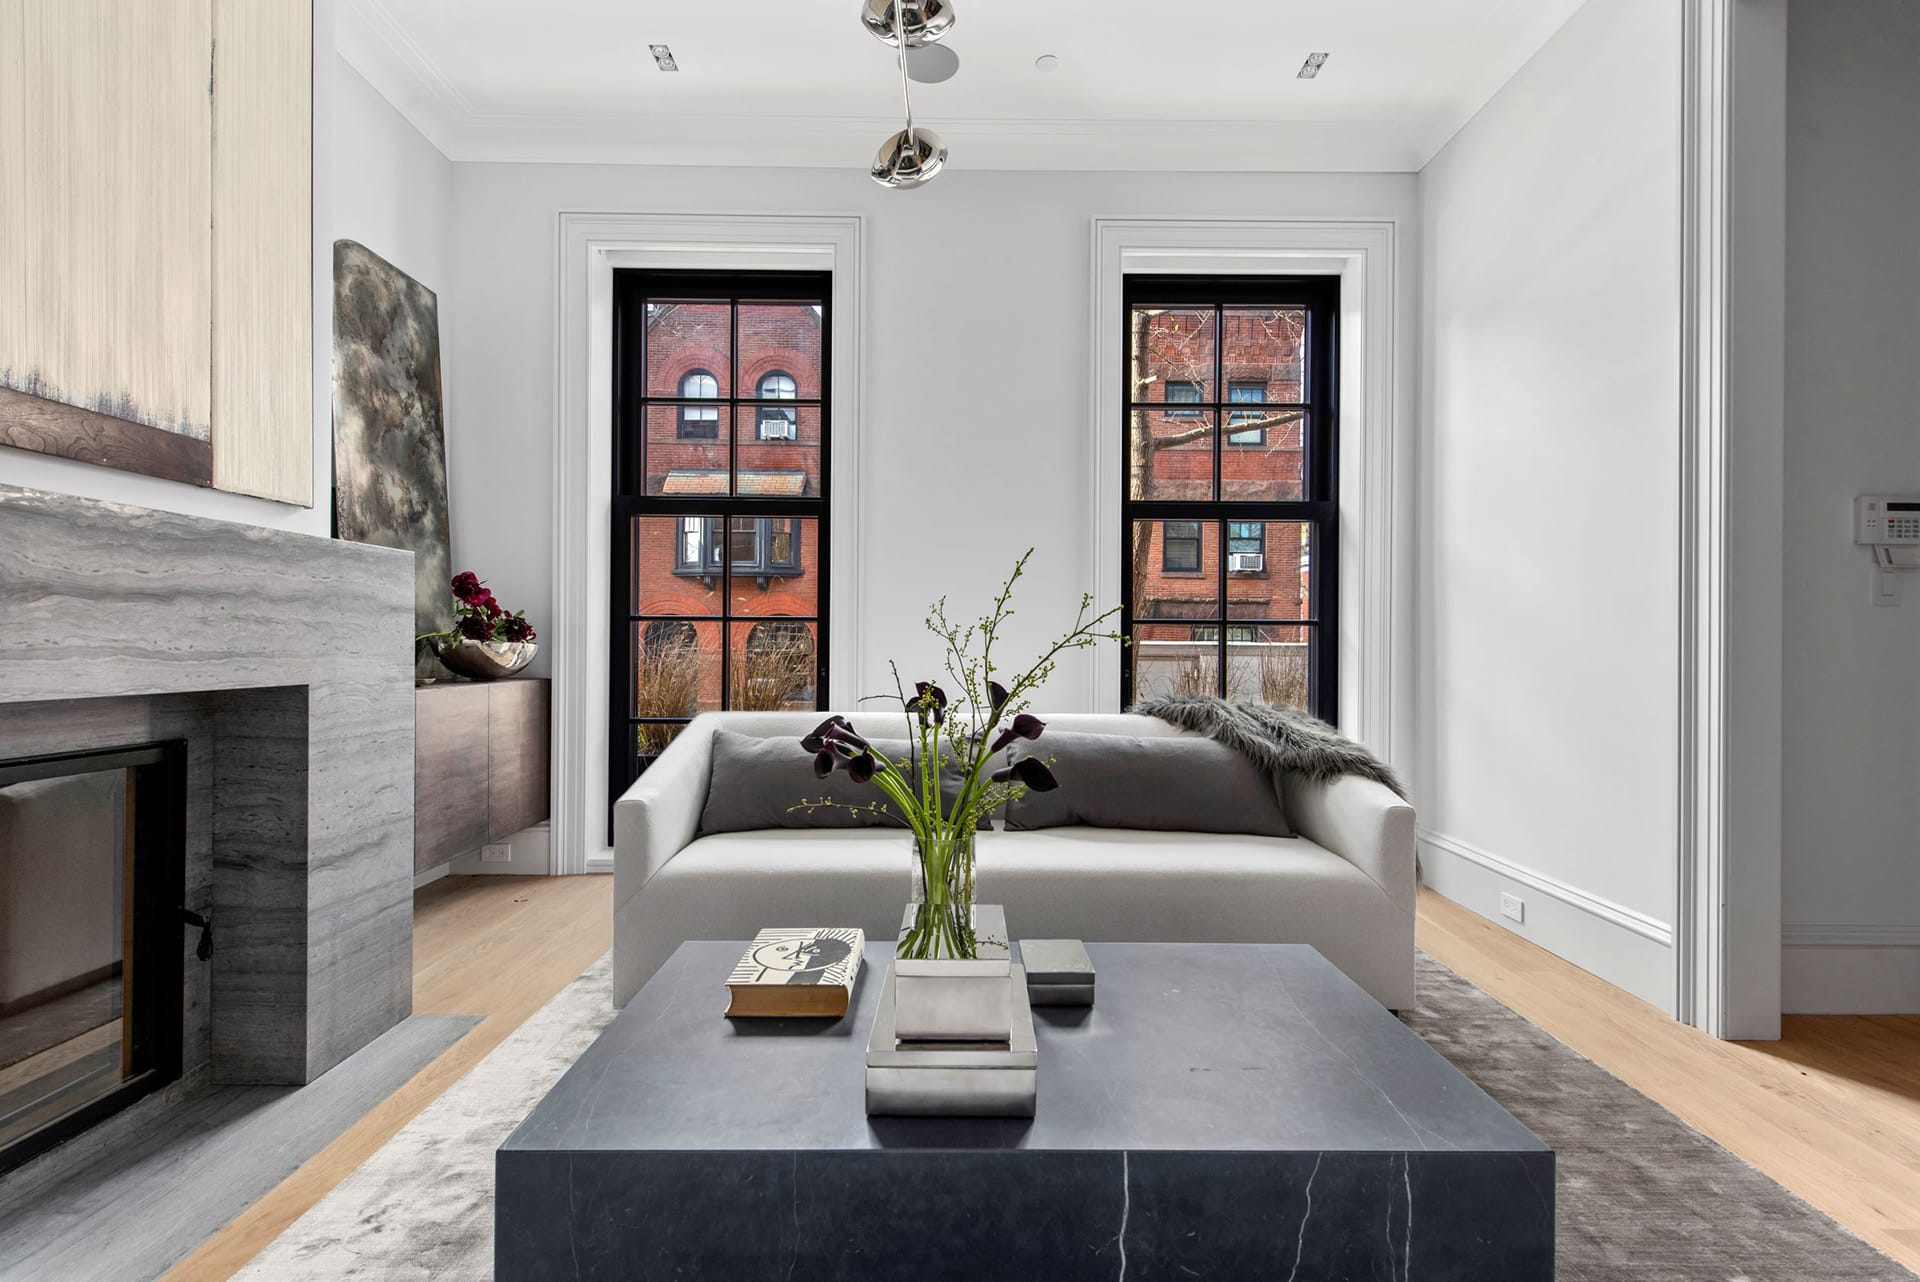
92	888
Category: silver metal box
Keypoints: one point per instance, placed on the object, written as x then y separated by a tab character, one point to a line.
957	1001
952	1079
1059	972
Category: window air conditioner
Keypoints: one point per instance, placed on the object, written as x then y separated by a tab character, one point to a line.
779	430
1246	562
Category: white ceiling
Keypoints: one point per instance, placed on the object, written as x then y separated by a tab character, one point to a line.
1141	84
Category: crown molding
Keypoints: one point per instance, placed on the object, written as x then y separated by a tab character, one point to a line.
377	46
374	44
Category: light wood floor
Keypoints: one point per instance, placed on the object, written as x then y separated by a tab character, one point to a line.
497	947
1832	1110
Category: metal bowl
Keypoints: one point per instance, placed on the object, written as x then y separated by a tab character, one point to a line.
484	660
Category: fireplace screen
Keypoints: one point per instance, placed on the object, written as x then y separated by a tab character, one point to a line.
91	940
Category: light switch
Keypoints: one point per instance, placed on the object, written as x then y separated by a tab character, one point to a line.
1886	586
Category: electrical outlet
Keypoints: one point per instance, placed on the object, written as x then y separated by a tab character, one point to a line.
501	854
1513	906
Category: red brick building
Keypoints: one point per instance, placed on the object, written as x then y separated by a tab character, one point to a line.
701	430
1251	363
766	432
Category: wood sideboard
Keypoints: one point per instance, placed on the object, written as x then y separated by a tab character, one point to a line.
480	764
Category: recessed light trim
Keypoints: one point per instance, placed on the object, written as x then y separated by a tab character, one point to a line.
1311	67
663	58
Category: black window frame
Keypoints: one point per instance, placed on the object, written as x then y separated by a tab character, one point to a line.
1197	401
1168	538
1318	505
688	428
1259	536
1259	434
761	565
632	289
771	410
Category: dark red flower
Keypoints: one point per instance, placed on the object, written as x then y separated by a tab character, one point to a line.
823	763
466	585
860	769
1025	726
516	628
476	628
930	701
1030	771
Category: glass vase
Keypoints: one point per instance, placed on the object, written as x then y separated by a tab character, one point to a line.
942	900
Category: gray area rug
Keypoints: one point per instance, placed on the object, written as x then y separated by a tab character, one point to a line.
140	1207
1642	1196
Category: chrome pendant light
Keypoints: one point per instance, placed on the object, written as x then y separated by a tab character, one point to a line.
912	156
910	22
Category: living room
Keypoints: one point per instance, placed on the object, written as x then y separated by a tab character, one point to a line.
509	509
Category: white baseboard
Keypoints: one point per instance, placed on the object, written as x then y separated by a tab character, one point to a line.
1627	948
1850	970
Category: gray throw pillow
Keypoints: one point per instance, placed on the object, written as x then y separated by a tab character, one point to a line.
756	783
1173	784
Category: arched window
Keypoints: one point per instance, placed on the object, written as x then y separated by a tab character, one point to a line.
778	423
777	669
664	636
667	679
699	422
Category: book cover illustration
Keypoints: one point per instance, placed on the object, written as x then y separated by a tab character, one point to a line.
784	961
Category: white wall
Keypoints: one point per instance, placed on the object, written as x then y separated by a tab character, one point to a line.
976	434
392	189
1548	624
1851	801
63	476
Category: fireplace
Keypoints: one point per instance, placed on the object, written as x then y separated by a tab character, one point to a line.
93	938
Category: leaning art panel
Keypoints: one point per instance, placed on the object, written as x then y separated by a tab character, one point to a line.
389	449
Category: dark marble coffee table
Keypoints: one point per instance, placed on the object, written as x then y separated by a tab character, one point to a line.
1239	1112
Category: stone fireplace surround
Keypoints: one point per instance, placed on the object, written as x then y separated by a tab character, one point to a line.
285	663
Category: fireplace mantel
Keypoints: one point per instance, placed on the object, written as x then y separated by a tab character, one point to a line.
288	660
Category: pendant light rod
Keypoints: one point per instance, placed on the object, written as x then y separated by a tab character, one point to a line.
900	42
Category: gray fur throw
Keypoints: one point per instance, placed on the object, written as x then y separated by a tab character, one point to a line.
1272	738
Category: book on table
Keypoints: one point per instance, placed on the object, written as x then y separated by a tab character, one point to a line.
797	970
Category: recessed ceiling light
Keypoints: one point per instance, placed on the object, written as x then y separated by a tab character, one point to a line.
663	58
1045	62
1311	67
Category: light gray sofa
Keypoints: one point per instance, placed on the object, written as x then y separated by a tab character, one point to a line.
1344	884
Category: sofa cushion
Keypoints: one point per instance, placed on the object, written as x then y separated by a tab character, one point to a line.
1175	784
1060	883
757	782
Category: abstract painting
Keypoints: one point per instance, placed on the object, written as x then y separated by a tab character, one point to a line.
389	448
156	291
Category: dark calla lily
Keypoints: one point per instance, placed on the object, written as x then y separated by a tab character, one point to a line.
1030	771
860	769
1025	726
1033	772
817	739
823	763
930	701
841	737
997	696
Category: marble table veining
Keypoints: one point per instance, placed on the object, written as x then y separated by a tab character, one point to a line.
1225	1111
